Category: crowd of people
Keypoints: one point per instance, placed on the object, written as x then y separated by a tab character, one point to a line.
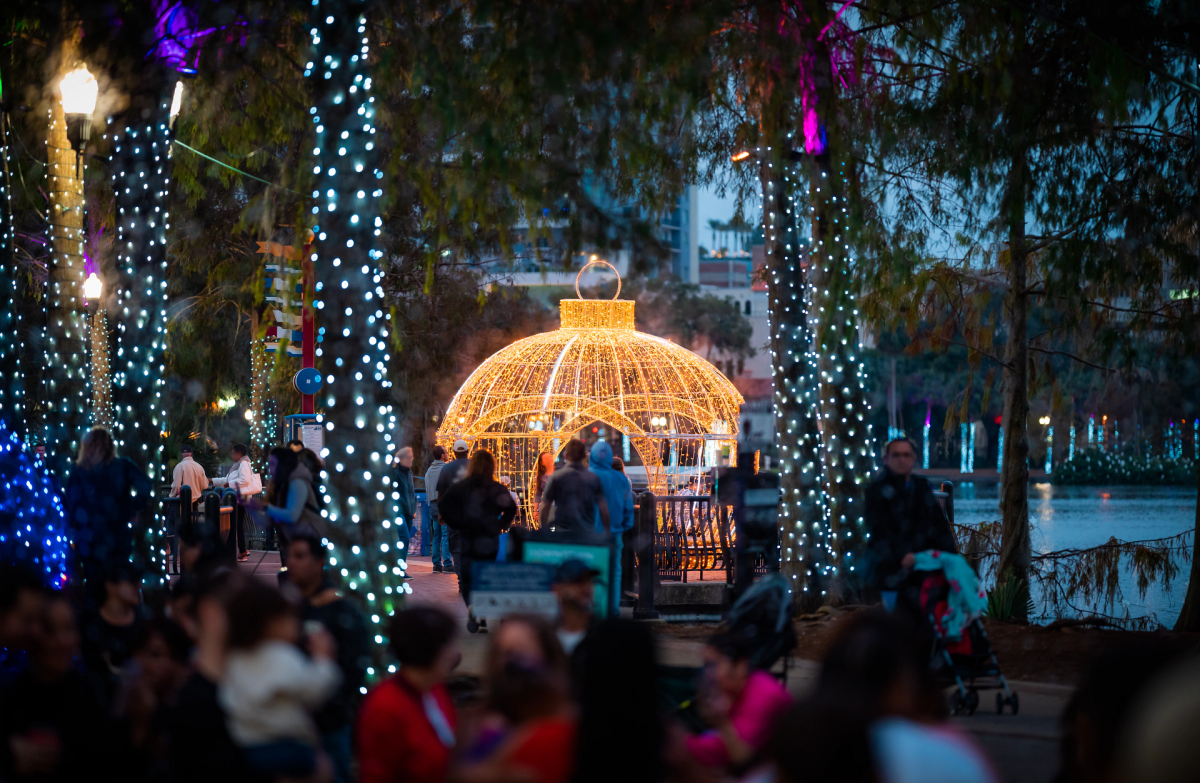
232	676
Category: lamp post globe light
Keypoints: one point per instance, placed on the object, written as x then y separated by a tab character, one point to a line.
92	289
79	92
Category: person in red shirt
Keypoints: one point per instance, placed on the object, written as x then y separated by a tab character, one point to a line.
406	726
528	733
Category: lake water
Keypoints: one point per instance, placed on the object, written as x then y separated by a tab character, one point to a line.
1080	517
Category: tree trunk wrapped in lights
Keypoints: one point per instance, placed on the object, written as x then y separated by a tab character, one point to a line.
362	508
63	397
140	140
803	544
824	442
102	405
12	327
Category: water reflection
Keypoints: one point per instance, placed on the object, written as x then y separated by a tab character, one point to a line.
1080	517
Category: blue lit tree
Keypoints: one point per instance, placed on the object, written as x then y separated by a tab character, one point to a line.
32	522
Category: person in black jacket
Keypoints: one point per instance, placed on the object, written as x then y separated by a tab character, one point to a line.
453	471
903	517
408	497
480	509
324	604
104	495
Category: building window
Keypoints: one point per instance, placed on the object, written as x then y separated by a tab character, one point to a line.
747	307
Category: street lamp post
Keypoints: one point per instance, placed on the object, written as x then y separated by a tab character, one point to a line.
79	92
102	410
63	397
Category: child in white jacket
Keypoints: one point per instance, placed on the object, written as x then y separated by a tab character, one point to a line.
271	688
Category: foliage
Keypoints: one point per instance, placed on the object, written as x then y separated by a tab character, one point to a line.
181	429
696	319
1098	466
1005	597
1084	582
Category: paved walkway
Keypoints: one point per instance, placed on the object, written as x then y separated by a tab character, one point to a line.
1023	748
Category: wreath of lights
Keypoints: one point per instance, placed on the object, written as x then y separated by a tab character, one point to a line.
536	394
363	512
140	178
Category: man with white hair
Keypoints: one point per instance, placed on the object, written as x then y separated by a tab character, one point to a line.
408	496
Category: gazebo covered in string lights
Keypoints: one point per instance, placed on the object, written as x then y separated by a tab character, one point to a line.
678	412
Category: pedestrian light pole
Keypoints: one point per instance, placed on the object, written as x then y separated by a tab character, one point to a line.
102	410
63	400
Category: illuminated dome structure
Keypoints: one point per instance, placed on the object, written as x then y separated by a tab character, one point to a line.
676	409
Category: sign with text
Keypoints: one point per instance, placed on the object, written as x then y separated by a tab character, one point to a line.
503	588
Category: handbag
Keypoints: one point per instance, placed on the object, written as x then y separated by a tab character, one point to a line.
254	486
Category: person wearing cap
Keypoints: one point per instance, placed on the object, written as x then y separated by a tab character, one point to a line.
188	473
574	586
454	471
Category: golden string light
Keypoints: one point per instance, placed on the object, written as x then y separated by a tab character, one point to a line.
677	410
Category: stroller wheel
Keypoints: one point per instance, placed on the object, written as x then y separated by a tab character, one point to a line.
1015	701
972	701
957	703
472	626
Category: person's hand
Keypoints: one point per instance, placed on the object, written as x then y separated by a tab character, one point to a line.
909	560
714	706
321	644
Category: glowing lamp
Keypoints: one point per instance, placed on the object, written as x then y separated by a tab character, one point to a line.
79	91
740	156
176	103
1044	420
92	288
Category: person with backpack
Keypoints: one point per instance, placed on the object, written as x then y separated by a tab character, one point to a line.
576	496
452	472
480	509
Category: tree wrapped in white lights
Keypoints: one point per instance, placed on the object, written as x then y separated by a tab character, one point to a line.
362	508
12	374
140	140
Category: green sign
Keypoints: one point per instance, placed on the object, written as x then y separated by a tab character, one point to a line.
596	557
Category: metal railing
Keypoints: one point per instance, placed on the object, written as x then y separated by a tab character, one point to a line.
693	534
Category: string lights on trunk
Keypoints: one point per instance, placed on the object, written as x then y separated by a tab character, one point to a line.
365	528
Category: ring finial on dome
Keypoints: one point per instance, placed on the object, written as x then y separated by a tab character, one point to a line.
591	263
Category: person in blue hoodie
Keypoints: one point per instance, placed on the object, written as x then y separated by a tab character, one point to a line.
618	493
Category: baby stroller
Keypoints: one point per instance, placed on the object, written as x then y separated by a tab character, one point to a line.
961	653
